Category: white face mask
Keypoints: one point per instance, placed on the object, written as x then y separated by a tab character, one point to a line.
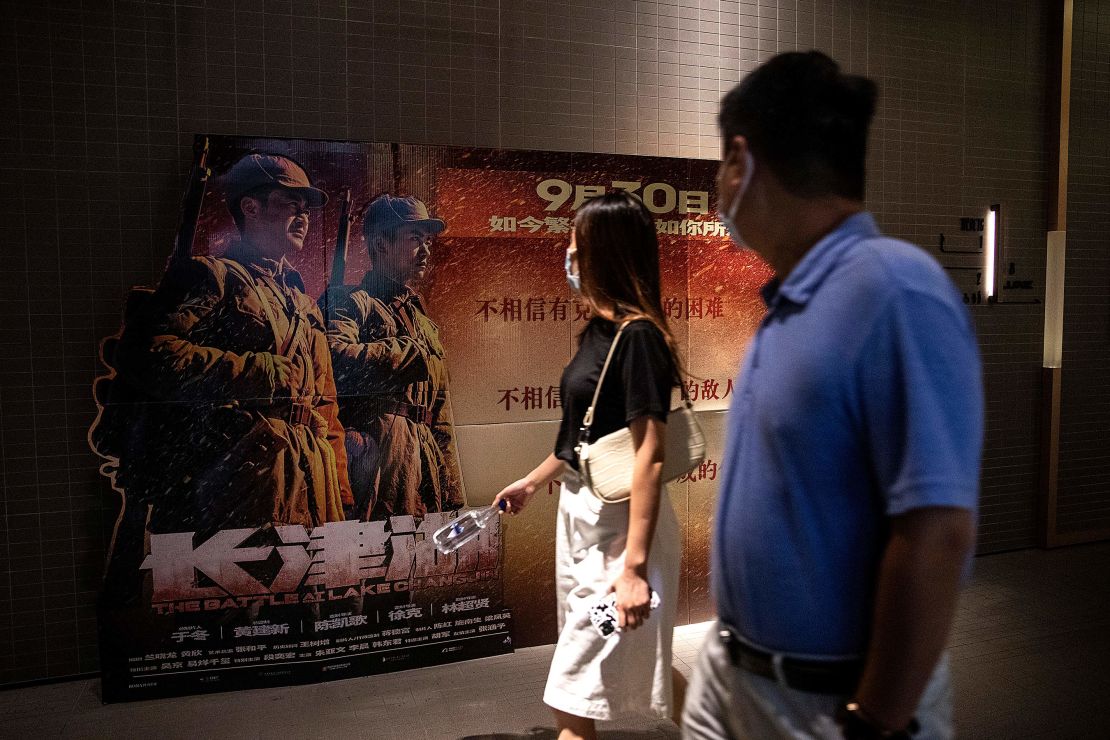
574	280
728	216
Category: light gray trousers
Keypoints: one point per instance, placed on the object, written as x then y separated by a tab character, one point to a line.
728	703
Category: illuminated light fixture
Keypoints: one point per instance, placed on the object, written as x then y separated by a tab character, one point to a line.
990	249
1054	300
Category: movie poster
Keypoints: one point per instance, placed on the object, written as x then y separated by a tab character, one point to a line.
352	343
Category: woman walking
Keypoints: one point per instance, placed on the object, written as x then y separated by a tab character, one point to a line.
630	548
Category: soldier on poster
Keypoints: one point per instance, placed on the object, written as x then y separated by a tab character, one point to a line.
391	372
236	353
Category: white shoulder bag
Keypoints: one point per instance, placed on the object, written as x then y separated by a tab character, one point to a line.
606	465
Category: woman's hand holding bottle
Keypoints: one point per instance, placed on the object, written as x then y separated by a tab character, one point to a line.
516	495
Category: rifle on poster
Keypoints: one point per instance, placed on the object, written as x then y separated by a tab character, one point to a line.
342	235
339	259
191	204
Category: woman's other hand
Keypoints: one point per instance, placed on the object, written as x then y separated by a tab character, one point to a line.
516	496
633	599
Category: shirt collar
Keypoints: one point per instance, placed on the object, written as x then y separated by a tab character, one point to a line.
818	262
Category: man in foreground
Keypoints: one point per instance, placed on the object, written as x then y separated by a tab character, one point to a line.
847	513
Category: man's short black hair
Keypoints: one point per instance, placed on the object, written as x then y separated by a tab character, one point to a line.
806	120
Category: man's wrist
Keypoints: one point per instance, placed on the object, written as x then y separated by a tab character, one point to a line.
856	723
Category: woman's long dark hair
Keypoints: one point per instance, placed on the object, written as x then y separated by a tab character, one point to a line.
618	259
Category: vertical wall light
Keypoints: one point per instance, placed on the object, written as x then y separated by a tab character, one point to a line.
990	249
1054	300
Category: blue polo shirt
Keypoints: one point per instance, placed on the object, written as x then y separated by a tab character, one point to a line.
860	399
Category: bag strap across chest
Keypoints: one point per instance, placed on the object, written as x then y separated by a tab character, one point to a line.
588	420
284	343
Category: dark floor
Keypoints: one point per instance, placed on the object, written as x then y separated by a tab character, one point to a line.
1030	655
1031	646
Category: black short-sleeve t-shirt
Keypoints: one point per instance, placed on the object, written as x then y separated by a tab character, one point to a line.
638	382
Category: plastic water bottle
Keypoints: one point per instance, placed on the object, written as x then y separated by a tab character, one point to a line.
464	528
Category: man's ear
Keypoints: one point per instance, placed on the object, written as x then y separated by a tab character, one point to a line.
734	159
374	246
250	206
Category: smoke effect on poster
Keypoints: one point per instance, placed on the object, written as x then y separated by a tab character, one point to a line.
280	413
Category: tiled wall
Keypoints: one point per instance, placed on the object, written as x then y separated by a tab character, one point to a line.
102	99
1085	411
